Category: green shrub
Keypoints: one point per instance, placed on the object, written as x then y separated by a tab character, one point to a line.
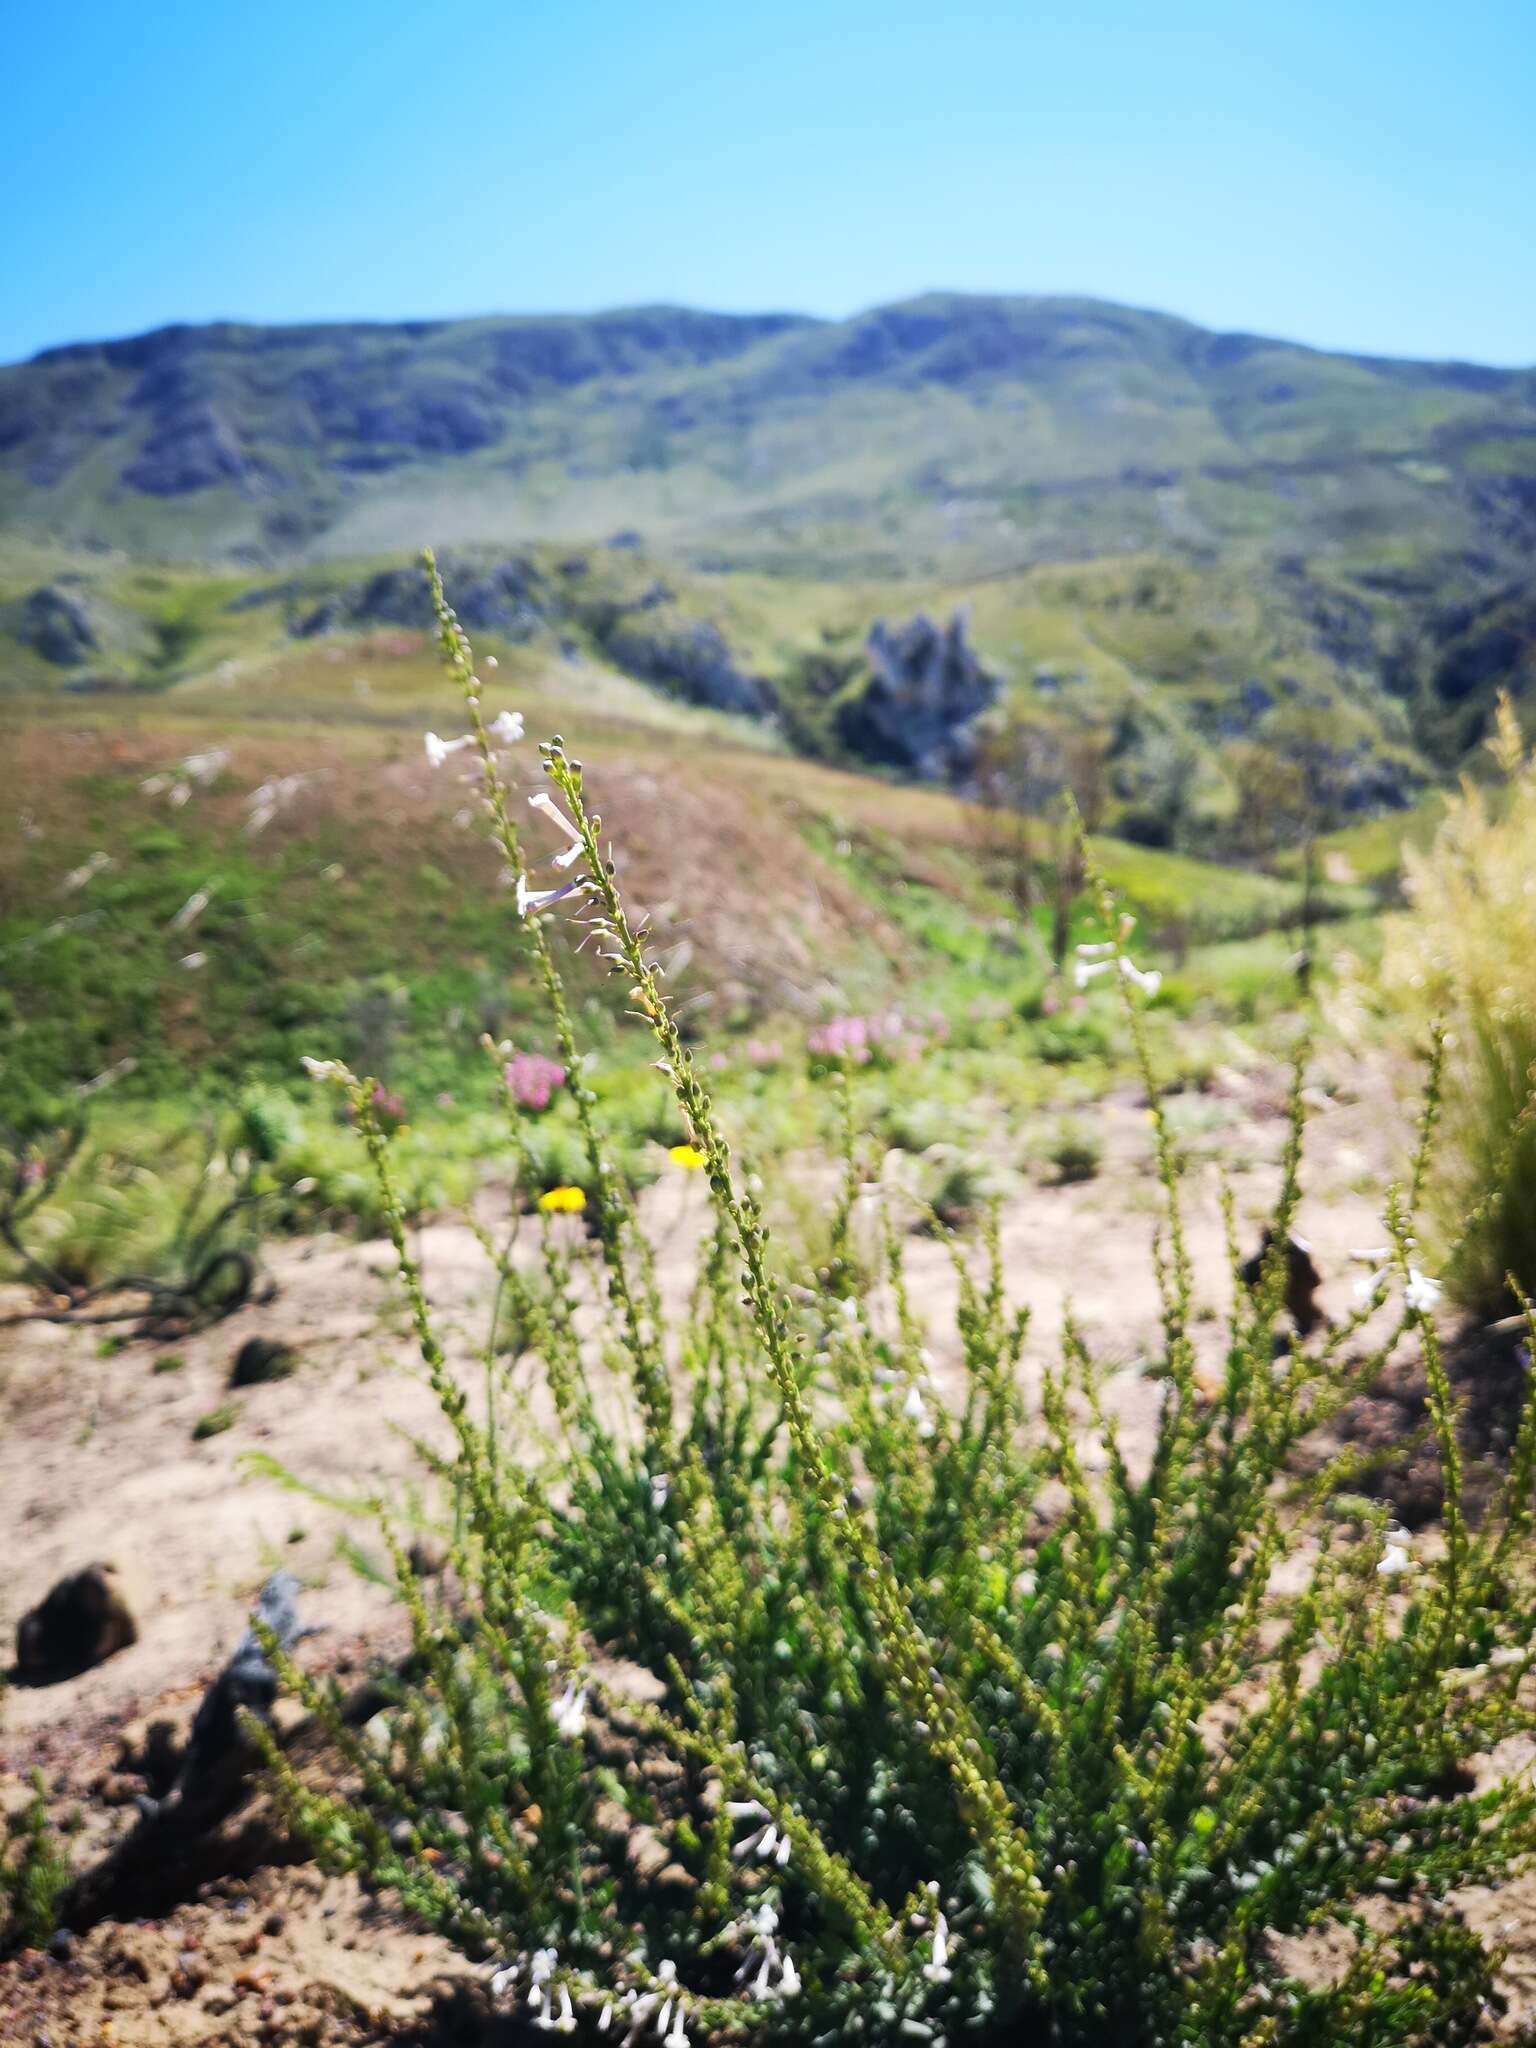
786	1701
215	1422
1075	1151
33	1873
1464	956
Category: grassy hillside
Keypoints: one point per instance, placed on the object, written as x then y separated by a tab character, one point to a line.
1196	542
254	859
947	434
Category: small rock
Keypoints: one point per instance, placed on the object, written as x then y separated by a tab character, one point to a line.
428	1556
84	1620
260	1359
57	625
1302	1280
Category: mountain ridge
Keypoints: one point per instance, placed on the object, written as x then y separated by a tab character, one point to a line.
417	326
934	431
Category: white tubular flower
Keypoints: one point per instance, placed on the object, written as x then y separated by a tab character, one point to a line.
505	729
1147	979
191	910
936	1969
605	2019
530	901
765	1843
789	1978
193	960
661	1488
1394	1560
1367	1283
541	800
438	750
323	1070
570	1713
1421	1293
204	767
566	2024
1103	959
503	1980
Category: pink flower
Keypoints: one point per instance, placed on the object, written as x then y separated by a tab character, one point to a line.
844	1038
532	1079
860	1039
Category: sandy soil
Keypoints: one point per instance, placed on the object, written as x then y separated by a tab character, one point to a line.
98	1461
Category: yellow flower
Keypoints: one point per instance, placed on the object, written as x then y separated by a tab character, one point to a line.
687	1155
566	1200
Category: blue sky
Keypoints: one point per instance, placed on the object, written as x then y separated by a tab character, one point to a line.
1356	174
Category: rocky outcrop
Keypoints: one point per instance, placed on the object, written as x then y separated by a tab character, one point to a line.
190	450
443	417
926	685
689	658
55	624
506	599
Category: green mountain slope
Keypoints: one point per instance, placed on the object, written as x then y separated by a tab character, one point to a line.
948	435
1210	552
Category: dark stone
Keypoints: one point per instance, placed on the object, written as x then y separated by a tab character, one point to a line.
690	659
57	626
500	599
84	1620
261	1359
926	685
1302	1280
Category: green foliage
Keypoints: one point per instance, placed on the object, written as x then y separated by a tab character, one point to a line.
789	1700
1075	1151
34	1871
215	1422
1465	952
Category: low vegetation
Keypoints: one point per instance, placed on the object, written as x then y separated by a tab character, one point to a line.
793	1698
1466	954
